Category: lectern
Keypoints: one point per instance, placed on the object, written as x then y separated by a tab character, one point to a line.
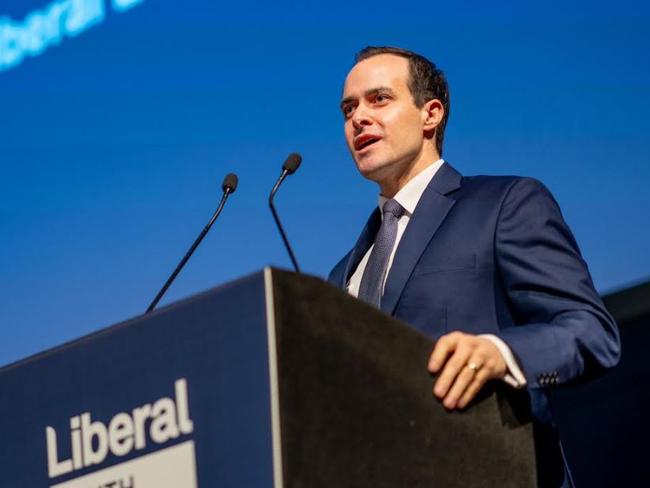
274	380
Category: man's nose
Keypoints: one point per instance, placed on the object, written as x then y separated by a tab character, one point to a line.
361	117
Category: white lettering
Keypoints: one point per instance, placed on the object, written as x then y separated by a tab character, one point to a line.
75	437
163	426
91	441
92	431
120	433
140	415
11	52
122	5
44	28
82	15
184	423
54	466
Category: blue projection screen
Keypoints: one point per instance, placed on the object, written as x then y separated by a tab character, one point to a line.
120	118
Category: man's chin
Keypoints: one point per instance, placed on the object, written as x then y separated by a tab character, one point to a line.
371	170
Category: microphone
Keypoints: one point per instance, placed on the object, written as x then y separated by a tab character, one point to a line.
228	186
288	168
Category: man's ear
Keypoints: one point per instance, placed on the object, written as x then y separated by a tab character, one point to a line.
432	114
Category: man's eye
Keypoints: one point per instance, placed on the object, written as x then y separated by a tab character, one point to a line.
381	98
347	110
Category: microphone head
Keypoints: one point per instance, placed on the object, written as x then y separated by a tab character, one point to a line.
230	183
292	163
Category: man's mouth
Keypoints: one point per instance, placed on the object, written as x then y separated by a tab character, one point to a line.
364	141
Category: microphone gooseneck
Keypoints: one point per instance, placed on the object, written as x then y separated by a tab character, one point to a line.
289	167
228	186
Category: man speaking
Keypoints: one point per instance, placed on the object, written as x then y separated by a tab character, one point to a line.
484	265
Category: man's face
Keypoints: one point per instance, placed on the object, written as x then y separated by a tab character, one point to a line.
384	130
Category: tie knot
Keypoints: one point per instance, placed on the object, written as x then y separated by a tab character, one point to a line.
393	207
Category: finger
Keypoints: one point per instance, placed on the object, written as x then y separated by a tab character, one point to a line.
443	348
463	380
452	368
474	387
492	359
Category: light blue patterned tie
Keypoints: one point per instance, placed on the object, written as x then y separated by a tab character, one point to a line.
372	281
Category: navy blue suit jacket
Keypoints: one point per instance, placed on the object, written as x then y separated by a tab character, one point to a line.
489	254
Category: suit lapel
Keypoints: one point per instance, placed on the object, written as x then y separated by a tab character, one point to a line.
431	210
366	239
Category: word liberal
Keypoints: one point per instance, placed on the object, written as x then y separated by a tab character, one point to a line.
48	26
91	441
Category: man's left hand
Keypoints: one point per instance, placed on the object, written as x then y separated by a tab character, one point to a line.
465	362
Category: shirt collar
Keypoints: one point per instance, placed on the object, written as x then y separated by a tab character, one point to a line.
409	196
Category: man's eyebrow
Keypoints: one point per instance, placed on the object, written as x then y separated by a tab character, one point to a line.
379	89
346	100
368	93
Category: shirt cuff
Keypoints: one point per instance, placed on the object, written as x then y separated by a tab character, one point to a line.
514	376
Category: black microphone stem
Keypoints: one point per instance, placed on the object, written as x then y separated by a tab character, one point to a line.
189	253
277	220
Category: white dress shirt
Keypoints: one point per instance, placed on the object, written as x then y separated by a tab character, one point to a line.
408	197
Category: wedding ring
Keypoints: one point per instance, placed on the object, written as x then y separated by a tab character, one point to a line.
473	366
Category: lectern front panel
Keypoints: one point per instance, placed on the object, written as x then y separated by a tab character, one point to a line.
177	398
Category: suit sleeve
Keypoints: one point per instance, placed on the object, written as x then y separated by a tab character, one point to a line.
563	331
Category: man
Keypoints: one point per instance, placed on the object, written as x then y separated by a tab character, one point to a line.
486	266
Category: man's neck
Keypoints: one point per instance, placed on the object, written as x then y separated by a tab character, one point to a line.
390	186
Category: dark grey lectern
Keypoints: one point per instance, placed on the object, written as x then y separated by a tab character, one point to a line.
275	380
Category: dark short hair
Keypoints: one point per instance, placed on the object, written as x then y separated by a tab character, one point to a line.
426	82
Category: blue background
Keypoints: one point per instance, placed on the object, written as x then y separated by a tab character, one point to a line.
113	145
